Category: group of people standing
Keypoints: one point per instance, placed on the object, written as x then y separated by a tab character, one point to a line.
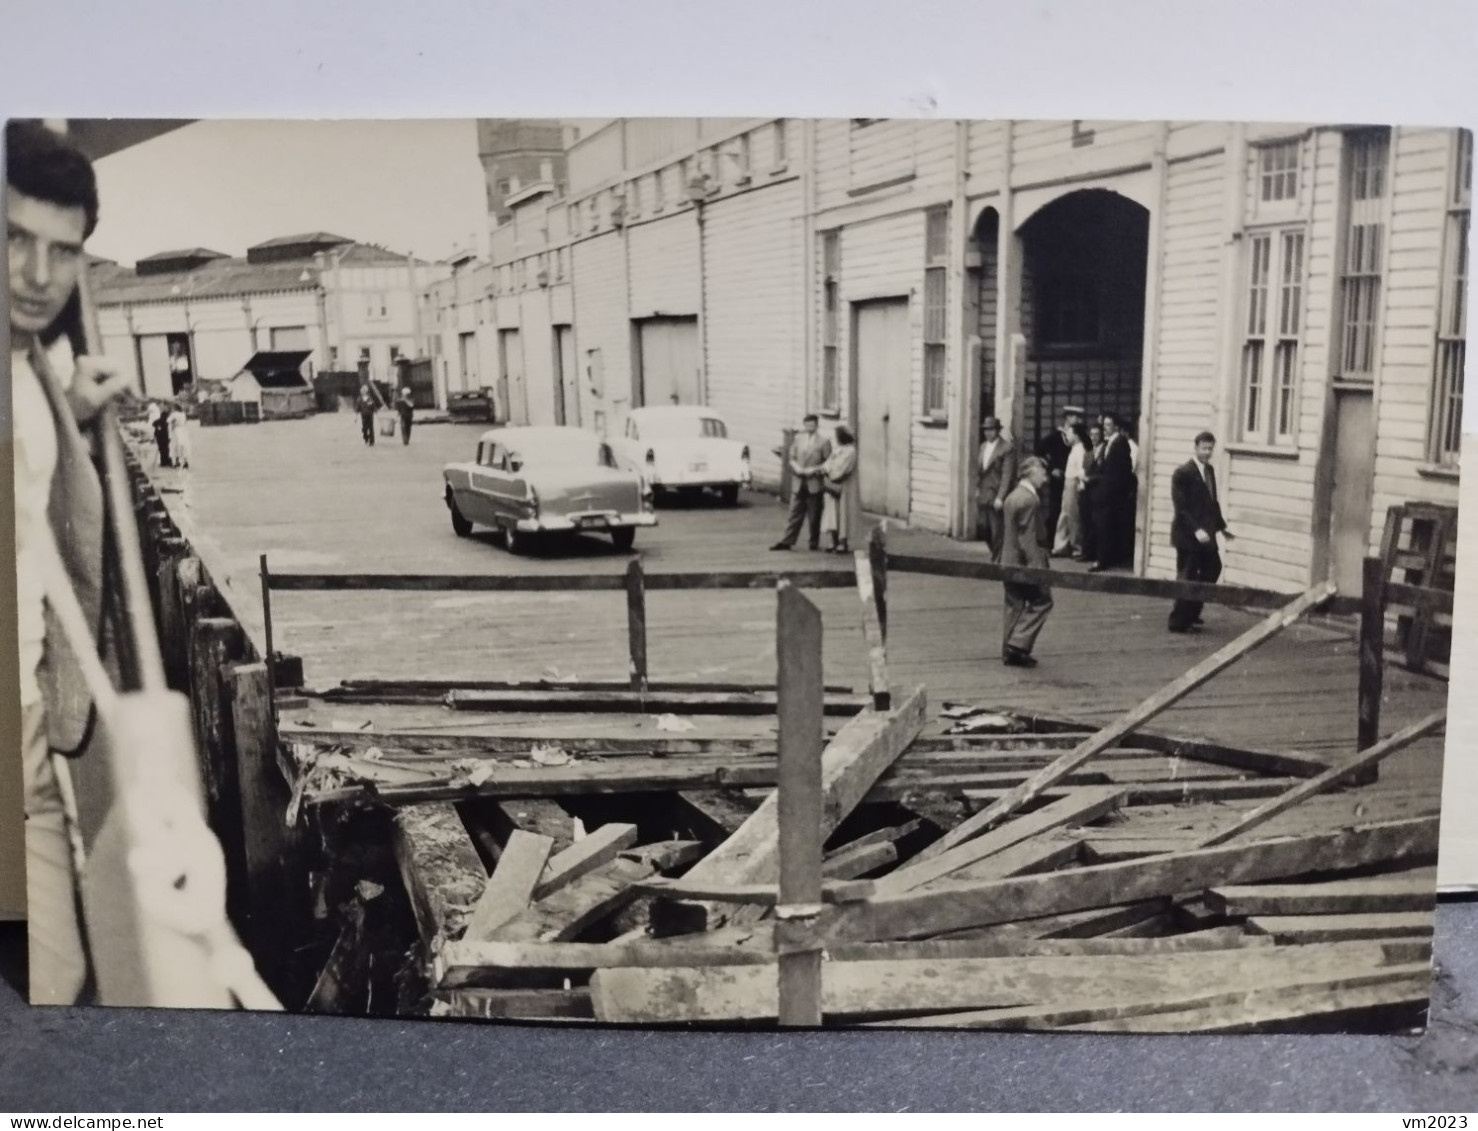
1091	487
171	428
824	489
369	402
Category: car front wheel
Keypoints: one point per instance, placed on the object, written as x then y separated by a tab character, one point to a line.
516	541
729	494
461	527
624	537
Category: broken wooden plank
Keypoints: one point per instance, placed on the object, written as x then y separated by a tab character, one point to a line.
563	915
1397	996
1161	700
759	895
1344	897
878	836
627	701
1344	771
959	906
442	873
512	886
1301	929
1081	807
717	814
1192	791
667	855
583	856
1104	1008
533	815
859	860
851	762
866	990
1040	854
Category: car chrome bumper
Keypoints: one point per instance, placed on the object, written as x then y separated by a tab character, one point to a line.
596	520
699	479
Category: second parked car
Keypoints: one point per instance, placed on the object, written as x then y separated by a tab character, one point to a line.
683	448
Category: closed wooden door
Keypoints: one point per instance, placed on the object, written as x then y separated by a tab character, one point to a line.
510	344
154	373
669	361
566	378
881	398
1354	480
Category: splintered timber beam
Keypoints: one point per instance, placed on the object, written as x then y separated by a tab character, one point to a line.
1080	807
1166	697
440	869
1121	584
868	990
584	856
1354	897
949	907
571	909
854	759
1344	771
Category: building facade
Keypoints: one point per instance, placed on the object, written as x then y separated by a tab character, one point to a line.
182	316
1299	290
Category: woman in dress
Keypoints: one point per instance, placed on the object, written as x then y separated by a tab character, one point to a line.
841	514
179	435
1069	534
1087	547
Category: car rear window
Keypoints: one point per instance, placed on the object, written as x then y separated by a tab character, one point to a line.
573	451
685	428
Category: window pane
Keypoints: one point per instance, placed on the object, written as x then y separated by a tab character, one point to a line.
933	379
1292	291
1287	369
1257	296
1251	388
934	304
829	391
936	234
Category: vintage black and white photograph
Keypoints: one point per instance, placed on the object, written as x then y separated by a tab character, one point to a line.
738	572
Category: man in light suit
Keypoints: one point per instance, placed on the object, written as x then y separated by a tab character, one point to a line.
1193	532
997	477
808	455
1027	543
51	208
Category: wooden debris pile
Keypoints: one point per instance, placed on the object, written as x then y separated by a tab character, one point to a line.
974	868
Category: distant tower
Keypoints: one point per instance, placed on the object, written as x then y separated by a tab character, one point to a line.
516	153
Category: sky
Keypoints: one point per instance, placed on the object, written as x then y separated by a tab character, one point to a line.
413	186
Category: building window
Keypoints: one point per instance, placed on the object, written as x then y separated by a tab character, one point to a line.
520	275
1278	173
1452	328
936	309
576	220
782	158
713	166
745	157
375	307
831	269
394	355
685	179
559	263
1360	281
1272	333
633	198
659	179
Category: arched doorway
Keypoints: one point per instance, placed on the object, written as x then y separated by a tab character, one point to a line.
1082	309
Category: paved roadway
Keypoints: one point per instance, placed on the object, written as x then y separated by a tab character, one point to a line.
312	497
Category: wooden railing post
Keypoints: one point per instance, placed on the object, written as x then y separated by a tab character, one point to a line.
1372	650
636	623
270	659
800	817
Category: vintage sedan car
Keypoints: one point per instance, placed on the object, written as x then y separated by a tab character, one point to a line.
529	482
683	448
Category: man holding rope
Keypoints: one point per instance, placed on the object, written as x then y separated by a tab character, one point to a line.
51	207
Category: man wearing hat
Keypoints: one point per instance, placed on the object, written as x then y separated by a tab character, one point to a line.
406	408
1053	450
1027	541
997	478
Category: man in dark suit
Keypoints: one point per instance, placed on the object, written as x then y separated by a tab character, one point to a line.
997	477
1193	532
1053	449
808	454
1113	498
1027	543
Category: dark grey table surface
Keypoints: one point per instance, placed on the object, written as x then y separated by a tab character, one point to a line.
119	1060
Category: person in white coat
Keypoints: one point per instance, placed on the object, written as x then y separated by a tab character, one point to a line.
179	435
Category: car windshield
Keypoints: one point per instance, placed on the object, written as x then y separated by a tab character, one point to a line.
565	451
683	428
